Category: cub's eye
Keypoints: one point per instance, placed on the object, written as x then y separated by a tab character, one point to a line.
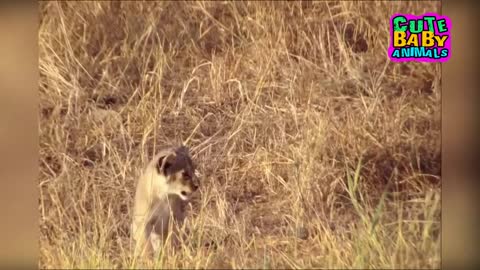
185	175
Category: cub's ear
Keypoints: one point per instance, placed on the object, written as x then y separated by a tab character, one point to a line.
164	163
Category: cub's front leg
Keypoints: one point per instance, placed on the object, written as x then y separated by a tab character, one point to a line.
138	230
155	243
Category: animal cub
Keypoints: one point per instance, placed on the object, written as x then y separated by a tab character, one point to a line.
162	193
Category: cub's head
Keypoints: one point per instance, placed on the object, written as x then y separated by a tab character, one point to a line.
179	171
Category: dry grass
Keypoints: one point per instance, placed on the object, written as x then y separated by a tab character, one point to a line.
314	149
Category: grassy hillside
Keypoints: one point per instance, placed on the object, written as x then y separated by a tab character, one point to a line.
314	149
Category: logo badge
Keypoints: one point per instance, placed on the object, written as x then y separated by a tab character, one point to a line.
423	38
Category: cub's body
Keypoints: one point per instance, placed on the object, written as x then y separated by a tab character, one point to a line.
161	197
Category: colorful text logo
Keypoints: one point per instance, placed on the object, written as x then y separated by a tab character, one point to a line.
423	38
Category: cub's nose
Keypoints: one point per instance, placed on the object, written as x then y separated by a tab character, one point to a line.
194	186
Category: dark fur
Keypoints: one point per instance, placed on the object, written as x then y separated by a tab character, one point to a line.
175	163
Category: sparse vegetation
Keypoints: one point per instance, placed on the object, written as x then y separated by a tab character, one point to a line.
314	149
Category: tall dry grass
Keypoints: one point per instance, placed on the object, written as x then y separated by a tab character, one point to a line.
314	149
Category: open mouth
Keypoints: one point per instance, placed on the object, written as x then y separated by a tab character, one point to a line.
184	195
